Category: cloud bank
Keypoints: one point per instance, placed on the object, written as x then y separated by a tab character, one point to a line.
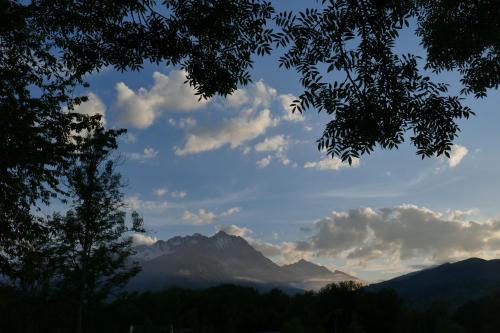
404	232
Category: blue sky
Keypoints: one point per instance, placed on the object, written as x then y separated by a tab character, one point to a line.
248	166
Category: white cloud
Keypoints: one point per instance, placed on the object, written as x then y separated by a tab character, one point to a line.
255	95
92	106
169	93
276	143
179	194
135	203
231	211
461	214
147	154
233	132
186	122
404	232
254	120
233	230
160	192
129	138
150	152
331	164
286	100
238	98
199	218
264	162
246	150
206	217
457	153
263	94
283	253
141	239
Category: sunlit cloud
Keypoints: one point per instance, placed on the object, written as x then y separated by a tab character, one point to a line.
403	232
329	163
148	153
160	192
169	93
457	154
199	218
232	132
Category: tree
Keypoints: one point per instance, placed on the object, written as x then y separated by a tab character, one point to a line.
349	66
350	69
89	243
48	46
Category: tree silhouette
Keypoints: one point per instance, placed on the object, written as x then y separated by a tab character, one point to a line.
345	54
89	243
48	46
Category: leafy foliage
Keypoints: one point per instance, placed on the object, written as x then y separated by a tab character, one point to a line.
90	250
463	35
48	46
212	40
345	54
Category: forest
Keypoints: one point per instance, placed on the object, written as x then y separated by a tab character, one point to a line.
342	308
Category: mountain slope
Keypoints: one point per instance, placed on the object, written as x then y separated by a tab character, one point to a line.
455	283
307	275
199	261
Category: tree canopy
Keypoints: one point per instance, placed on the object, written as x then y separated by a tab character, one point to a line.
47	48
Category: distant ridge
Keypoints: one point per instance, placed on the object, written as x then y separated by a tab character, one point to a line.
200	261
454	283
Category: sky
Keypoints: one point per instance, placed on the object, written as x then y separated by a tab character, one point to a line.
248	166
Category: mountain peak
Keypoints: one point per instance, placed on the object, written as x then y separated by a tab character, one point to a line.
223	240
201	260
305	262
221	233
305	267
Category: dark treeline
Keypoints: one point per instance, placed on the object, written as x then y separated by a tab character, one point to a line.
228	308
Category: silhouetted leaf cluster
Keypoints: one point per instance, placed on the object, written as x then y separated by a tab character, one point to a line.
350	68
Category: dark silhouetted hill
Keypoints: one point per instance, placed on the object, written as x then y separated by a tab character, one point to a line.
455	283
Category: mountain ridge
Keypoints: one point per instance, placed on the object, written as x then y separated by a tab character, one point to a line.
200	261
455	283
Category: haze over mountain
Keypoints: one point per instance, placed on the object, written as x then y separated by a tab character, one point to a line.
455	283
200	261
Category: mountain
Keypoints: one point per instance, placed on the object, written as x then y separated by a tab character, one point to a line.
307	275
455	283
200	261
